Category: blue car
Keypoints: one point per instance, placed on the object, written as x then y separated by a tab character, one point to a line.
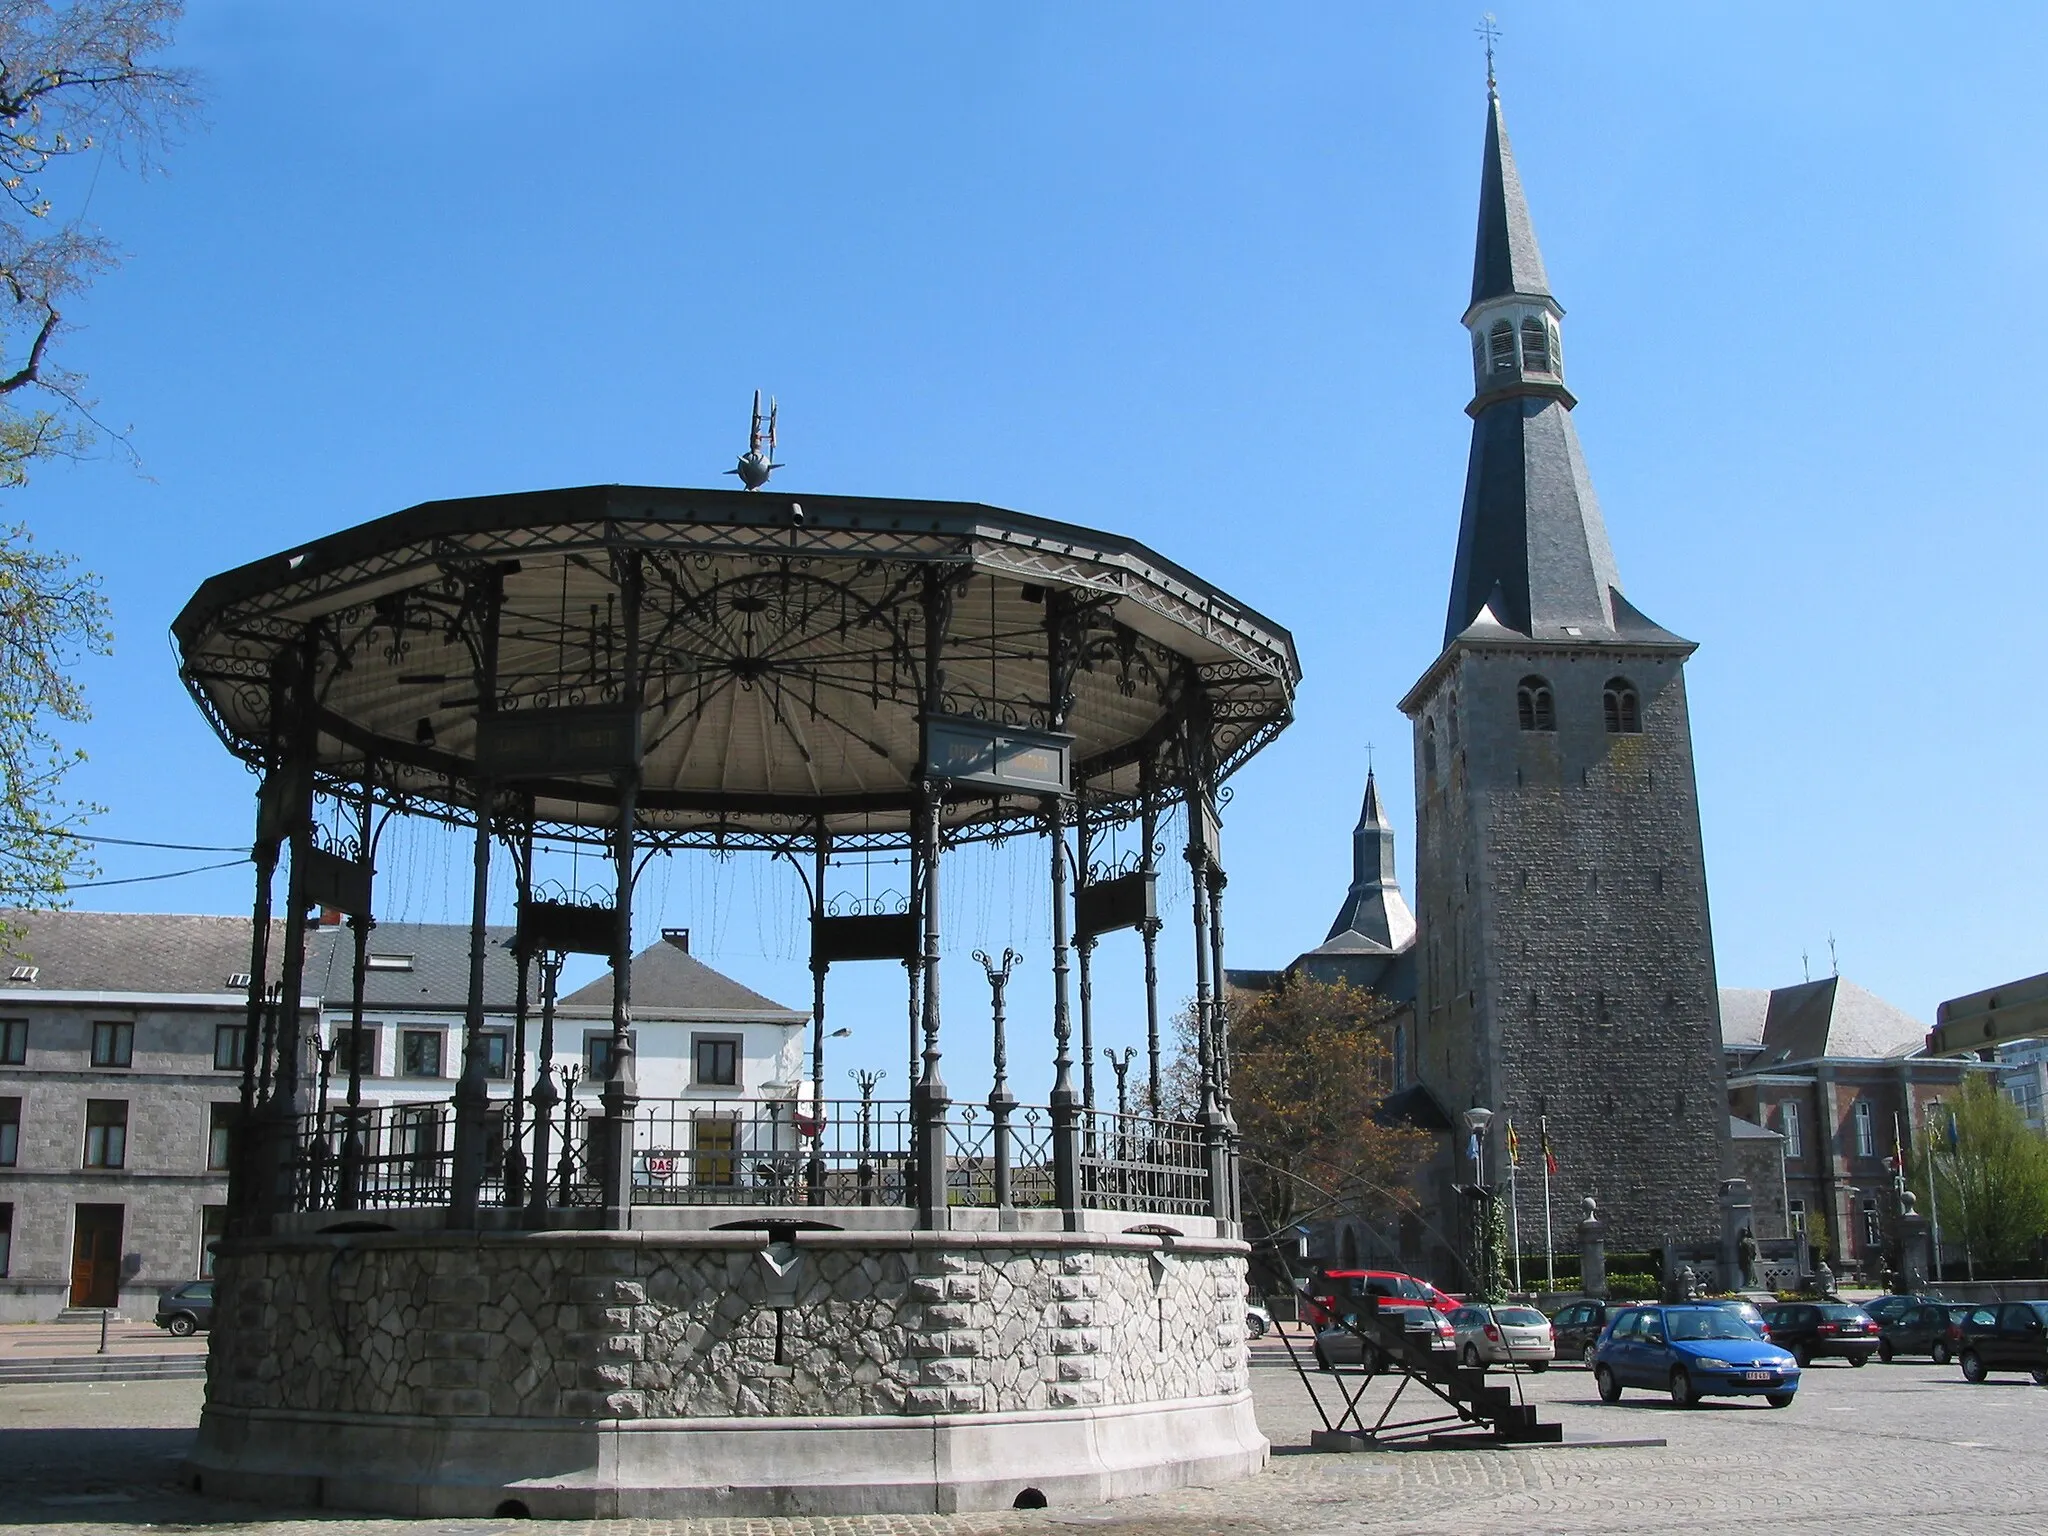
1693	1351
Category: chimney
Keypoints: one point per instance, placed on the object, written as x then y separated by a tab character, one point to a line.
330	917
680	937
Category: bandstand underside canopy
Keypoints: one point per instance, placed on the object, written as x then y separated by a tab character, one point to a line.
781	652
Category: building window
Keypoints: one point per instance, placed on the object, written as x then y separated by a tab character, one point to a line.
213	1226
220	1134
6	1239
113	1045
597	1055
713	1141
715	1061
494	1141
1535	705
1871	1240
1788	1122
417	1132
1429	751
1535	346
357	1049
497	1053
13	1042
1623	707
1795	1214
1866	1138
420	1052
106	1133
227	1047
10	1131
1503	344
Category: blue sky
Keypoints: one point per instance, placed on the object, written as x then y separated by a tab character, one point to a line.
1188	272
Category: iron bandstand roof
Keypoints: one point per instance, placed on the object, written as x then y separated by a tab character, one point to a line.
782	650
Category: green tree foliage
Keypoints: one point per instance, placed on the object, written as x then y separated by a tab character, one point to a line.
50	613
1991	1186
77	81
1309	1066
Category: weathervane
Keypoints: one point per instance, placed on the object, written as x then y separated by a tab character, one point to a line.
1488	30
758	462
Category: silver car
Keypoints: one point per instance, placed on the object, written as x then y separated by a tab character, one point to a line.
1502	1336
1425	1326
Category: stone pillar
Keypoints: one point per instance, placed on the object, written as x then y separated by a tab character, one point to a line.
1913	1252
1737	1217
1592	1252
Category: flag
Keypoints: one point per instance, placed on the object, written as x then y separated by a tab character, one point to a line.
1549	1157
1953	1138
1514	1147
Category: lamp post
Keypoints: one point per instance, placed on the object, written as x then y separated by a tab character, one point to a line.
1477	1120
1000	1100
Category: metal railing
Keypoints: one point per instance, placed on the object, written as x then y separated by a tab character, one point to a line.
750	1152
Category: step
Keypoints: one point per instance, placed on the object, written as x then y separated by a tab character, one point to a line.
62	1368
88	1315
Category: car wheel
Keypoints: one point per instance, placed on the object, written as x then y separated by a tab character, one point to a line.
1973	1366
1609	1388
1369	1357
1941	1354
1779	1399
1471	1359
1884	1350
1322	1360
1254	1327
1861	1358
1538	1367
183	1325
1586	1352
1682	1394
2040	1377
1803	1353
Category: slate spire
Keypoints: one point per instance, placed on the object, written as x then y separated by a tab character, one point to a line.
1533	555
1374	909
1506	260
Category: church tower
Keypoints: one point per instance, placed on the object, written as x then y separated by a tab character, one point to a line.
1565	960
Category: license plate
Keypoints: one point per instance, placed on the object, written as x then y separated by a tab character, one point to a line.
1758	1375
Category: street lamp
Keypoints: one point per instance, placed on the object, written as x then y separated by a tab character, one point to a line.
1477	1119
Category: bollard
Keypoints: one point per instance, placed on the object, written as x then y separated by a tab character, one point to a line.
103	1330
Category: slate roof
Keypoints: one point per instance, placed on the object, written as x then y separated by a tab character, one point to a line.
1374	918
667	978
133	952
1832	1017
1740	1129
438	980
1507	260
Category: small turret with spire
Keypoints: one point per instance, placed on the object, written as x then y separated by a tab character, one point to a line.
1375	915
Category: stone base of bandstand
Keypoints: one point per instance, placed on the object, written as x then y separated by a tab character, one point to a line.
591	1374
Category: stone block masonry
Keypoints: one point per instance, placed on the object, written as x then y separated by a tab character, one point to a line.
578	1335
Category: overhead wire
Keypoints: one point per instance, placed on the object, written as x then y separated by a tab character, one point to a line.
119	842
98	885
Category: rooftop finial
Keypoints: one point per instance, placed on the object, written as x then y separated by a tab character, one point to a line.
1491	32
758	462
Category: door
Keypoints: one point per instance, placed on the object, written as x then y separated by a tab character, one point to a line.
96	1256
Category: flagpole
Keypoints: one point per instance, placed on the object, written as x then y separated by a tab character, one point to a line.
1514	1216
1549	1248
1933	1207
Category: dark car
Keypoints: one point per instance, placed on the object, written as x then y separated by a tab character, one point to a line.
2013	1338
1577	1328
1961	1315
1918	1328
187	1309
1885	1308
1815	1330
1333	1292
1691	1351
1344	1342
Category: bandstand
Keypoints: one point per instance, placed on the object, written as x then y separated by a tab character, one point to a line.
803	1305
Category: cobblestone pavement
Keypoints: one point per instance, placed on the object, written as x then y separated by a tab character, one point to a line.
1888	1448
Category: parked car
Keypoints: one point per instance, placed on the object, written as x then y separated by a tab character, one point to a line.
1258	1322
1337	1345
2015	1338
1919	1328
187	1309
1692	1350
1502	1336
1747	1310
1333	1292
1814	1330
1885	1308
1577	1328
1961	1315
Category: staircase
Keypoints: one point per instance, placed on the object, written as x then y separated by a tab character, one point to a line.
110	1367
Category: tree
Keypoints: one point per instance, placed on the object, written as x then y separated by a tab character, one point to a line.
1991	1179
77	81
1309	1068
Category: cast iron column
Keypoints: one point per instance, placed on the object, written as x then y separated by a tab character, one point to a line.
1066	1103
1148	931
544	1096
515	1107
349	1196
1000	1100
483	598
814	1167
929	1101
622	1084
242	1175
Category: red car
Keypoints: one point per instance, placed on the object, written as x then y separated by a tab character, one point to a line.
1335	1291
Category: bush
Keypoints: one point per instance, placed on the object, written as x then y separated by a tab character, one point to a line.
1632	1285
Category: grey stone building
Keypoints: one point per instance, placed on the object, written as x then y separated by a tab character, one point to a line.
120	1071
1565	965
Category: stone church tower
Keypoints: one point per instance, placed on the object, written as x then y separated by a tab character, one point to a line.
1565	964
